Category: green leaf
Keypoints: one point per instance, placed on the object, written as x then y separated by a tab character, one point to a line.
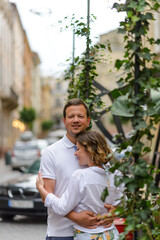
139	171
129	14
119	63
133	4
135	19
146	56
155	96
104	194
141	124
156	6
131	187
120	107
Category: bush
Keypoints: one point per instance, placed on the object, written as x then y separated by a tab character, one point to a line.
47	125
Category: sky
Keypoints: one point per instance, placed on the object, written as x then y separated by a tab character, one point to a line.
43	30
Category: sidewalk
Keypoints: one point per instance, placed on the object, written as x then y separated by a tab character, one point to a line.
3	166
6	172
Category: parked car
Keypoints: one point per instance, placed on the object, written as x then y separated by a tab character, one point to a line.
19	196
24	153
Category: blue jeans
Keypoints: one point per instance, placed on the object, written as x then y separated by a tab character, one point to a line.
59	238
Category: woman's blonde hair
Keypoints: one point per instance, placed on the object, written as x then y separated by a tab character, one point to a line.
95	144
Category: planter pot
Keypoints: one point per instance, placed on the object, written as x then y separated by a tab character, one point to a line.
119	223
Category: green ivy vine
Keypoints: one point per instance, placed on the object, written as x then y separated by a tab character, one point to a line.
82	71
140	80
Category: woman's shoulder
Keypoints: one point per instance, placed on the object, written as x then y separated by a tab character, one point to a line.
80	172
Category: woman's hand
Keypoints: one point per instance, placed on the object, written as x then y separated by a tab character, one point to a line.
107	219
40	187
39	182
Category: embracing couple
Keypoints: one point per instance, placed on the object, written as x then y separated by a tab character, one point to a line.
73	174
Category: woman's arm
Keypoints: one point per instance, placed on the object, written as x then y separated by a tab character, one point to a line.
40	187
68	201
85	219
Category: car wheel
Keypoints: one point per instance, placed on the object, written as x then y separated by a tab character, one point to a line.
7	217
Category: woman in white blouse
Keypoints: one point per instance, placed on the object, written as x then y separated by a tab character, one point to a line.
86	186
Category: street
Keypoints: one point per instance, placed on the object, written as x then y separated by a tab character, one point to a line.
20	227
23	228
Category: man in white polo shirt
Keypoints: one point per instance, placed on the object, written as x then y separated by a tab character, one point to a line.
57	165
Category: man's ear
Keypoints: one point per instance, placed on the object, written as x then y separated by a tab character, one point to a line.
89	124
88	120
64	121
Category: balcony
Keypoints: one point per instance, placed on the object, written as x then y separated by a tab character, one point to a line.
9	101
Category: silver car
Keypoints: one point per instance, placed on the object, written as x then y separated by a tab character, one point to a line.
24	154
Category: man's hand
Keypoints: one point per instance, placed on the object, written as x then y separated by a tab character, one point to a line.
107	219
84	219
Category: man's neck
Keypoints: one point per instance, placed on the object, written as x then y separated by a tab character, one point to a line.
71	138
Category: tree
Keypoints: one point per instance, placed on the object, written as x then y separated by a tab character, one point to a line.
28	115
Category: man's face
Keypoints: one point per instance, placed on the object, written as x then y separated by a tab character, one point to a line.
76	120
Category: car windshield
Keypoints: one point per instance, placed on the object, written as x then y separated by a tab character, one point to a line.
34	168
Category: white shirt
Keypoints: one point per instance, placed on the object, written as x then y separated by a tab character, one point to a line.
59	162
84	193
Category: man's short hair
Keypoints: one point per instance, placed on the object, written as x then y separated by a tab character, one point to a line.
75	102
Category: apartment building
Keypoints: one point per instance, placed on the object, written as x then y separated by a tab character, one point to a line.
8	94
18	70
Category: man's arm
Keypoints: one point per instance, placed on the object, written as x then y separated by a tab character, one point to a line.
90	220
85	219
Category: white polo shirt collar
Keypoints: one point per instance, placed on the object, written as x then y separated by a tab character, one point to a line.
67	142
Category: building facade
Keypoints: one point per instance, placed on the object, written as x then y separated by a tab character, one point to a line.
18	70
8	95
36	92
27	79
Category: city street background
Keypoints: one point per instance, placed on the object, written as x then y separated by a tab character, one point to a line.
20	227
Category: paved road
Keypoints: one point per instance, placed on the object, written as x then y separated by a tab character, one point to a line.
21	227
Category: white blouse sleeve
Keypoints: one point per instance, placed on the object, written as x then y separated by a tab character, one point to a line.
70	198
